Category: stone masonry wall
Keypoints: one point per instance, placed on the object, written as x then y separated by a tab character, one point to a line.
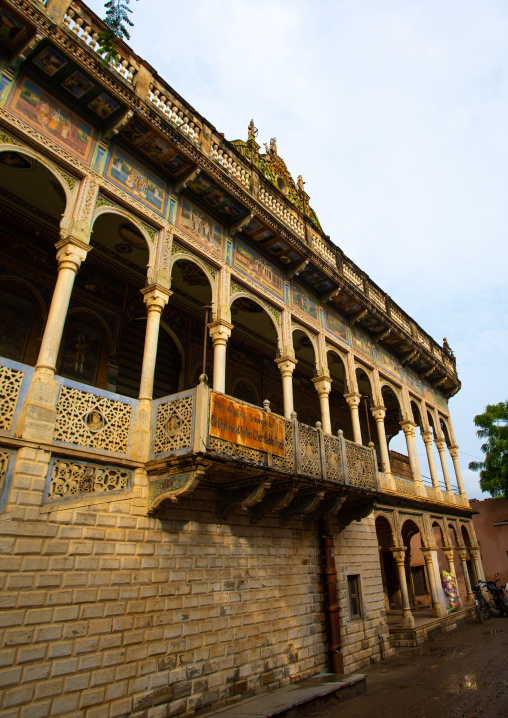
365	639
106	612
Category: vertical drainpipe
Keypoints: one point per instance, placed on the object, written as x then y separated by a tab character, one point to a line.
332	606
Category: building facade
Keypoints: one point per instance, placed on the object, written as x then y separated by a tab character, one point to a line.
198	390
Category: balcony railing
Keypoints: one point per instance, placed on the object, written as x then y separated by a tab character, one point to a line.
101	423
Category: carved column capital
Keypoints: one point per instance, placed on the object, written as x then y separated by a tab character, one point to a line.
71	253
378	412
462	553
323	385
427	437
440	444
454	451
156	297
408	427
220	331
353	398
399	554
286	365
427	552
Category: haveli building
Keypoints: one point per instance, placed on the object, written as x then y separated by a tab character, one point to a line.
171	543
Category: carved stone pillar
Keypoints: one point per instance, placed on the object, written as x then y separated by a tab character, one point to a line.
379	413
155	297
353	400
474	552
38	414
438	604
71	253
454	453
220	331
427	440
408	427
286	367
462	556
440	445
323	385
399	554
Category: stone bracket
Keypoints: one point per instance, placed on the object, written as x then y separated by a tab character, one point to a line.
328	507
174	483
301	506
243	499
355	510
274	501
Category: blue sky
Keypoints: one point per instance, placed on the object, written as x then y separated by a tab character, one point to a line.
396	115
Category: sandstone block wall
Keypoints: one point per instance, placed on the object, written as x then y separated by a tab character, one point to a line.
365	639
106	612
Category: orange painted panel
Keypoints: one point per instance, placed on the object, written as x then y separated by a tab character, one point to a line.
245	425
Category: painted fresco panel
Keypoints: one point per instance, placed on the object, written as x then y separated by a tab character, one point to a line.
82	349
256	266
414	382
361	342
136	179
388	362
440	400
335	323
428	393
52	119
200	225
304	300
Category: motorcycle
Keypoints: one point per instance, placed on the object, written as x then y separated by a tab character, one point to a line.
498	596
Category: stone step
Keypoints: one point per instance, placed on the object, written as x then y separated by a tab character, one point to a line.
323	690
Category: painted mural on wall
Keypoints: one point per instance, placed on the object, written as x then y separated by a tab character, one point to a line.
388	362
134	177
427	392
414	382
335	323
53	119
256	266
304	300
440	400
200	225
361	341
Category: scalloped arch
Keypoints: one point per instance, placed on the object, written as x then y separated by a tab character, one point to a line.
254	298
191	258
110	209
54	169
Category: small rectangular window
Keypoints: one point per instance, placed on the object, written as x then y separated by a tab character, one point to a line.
353	587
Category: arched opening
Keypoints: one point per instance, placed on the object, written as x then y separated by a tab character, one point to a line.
420	445
416	569
306	400
167	365
84	349
32	202
469	563
251	372
391	588
459	569
184	313
399	462
367	401
340	414
21	321
111	280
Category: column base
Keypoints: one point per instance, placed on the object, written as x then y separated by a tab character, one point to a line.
408	620
37	417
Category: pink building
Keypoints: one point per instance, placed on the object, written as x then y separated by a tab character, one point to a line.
491	526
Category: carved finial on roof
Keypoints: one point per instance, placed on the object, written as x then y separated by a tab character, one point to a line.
272	150
300	184
253	130
447	347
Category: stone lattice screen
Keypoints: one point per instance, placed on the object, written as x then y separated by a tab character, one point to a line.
92	420
71	478
10	387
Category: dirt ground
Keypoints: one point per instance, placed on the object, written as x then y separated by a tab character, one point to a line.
461	674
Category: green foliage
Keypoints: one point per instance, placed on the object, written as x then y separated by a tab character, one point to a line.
493	470
116	19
